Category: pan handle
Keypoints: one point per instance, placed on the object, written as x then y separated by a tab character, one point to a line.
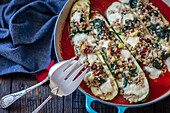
89	100
121	109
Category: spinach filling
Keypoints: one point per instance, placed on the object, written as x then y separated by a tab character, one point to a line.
103	31
114	66
98	23
155	63
164	55
155	12
76	30
101	80
162	32
132	3
82	18
133	72
130	24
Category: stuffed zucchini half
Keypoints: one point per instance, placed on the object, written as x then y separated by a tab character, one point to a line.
155	23
98	78
131	79
137	39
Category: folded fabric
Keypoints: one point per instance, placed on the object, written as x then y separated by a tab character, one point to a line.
26	28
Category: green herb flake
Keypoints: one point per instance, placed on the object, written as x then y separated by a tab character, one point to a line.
133	3
125	82
102	81
165	56
155	63
133	72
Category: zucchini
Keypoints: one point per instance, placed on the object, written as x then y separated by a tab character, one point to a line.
141	91
161	32
114	93
133	39
78	7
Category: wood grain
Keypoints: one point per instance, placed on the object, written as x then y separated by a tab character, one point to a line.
74	103
5	88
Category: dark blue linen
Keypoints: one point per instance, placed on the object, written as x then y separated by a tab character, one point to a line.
26	28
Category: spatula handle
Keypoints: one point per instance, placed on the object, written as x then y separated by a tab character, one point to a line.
11	98
39	107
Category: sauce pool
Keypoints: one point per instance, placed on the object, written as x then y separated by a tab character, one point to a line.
158	86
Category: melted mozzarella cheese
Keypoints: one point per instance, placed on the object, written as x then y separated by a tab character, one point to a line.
87	75
90	40
132	40
134	89
82	59
127	17
115	6
106	87
95	31
138	90
165	47
124	1
96	91
125	54
104	43
167	62
79	38
154	73
114	17
120	82
92	58
76	17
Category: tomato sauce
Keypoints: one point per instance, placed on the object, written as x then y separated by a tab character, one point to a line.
158	86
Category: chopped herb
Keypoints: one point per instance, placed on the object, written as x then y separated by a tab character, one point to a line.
133	72
113	52
155	12
146	19
154	45
86	31
101	67
117	59
119	33
163	33
69	38
82	19
102	81
153	27
139	34
98	23
103	48
141	6
155	63
125	82
133	3
130	24
165	56
113	66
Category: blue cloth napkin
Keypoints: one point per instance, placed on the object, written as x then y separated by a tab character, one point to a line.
26	28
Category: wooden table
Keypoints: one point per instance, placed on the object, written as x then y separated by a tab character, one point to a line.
74	103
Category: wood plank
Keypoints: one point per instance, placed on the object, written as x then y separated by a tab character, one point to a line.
29	102
5	87
74	103
67	104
